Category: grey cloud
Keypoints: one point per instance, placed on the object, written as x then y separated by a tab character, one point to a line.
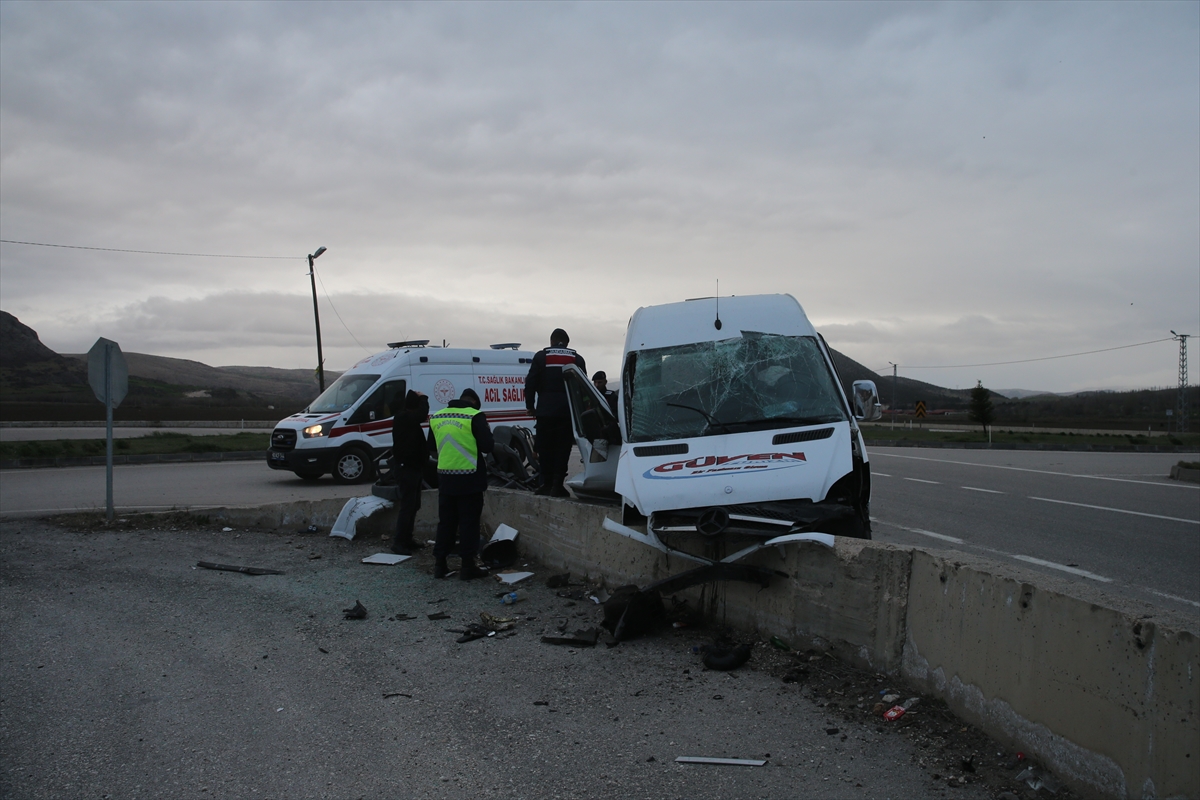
584	159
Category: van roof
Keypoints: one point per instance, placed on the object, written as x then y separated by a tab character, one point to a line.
693	320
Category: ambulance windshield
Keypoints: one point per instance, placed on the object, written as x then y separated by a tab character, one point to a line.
757	381
342	394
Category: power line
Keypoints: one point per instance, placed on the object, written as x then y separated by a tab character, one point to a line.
1030	360
146	252
335	312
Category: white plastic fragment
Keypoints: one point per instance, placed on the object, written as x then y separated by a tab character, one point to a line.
355	509
387	559
510	578
503	533
730	762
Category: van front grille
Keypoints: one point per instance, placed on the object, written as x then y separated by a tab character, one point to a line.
283	439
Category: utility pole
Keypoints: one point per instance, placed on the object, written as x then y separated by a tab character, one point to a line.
317	316
894	367
1181	424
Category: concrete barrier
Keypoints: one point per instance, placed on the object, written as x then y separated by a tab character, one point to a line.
1104	691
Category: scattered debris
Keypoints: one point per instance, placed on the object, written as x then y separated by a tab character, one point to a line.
540	703
631	612
313	529
226	530
779	644
730	762
509	578
501	549
355	509
1035	779
396	694
559	581
494	623
726	658
323	650
894	713
403	617
359	611
387	559
243	570
580	638
439	615
473	631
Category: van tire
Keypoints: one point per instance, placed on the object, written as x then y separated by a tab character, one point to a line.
308	475
353	465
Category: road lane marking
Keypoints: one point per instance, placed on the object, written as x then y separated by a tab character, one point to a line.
942	536
1174	597
1118	510
919	480
1175	484
1052	565
880	474
977	489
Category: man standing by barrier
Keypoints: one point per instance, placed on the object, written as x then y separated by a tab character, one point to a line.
546	399
410	454
463	438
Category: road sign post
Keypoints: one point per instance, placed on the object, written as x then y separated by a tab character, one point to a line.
108	376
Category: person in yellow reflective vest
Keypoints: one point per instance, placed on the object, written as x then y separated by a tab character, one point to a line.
463	438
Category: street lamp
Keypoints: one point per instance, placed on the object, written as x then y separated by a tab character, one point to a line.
317	317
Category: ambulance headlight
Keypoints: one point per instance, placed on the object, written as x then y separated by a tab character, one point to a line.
314	430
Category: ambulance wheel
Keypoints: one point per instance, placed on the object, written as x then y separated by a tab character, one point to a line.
353	465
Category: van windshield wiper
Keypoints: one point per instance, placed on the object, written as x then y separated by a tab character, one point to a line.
712	423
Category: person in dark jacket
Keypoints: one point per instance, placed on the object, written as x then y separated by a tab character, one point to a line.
546	399
410	453
600	381
463	438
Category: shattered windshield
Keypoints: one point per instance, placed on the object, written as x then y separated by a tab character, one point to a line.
342	394
756	381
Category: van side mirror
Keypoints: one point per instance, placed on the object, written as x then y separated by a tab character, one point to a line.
866	401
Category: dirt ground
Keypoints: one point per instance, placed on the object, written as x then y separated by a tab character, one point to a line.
125	671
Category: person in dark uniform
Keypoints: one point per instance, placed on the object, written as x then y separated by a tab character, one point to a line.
462	436
410	454
600	381
546	399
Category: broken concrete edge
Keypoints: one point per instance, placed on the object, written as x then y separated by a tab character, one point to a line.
1102	690
1179	473
156	458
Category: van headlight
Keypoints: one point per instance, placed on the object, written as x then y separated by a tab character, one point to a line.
314	430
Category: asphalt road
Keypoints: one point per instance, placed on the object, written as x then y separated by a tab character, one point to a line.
48	433
158	487
127	672
1113	519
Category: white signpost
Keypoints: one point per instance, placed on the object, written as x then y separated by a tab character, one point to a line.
108	376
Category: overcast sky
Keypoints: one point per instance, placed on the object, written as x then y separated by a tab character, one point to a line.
937	184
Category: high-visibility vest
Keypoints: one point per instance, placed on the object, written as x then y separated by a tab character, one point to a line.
458	452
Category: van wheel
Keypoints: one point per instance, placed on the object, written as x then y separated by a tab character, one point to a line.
353	465
309	475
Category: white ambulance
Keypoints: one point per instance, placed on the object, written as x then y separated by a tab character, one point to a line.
350	425
732	420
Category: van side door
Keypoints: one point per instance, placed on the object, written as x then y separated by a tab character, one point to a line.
597	433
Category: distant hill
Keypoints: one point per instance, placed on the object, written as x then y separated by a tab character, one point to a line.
37	383
265	381
907	390
29	368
